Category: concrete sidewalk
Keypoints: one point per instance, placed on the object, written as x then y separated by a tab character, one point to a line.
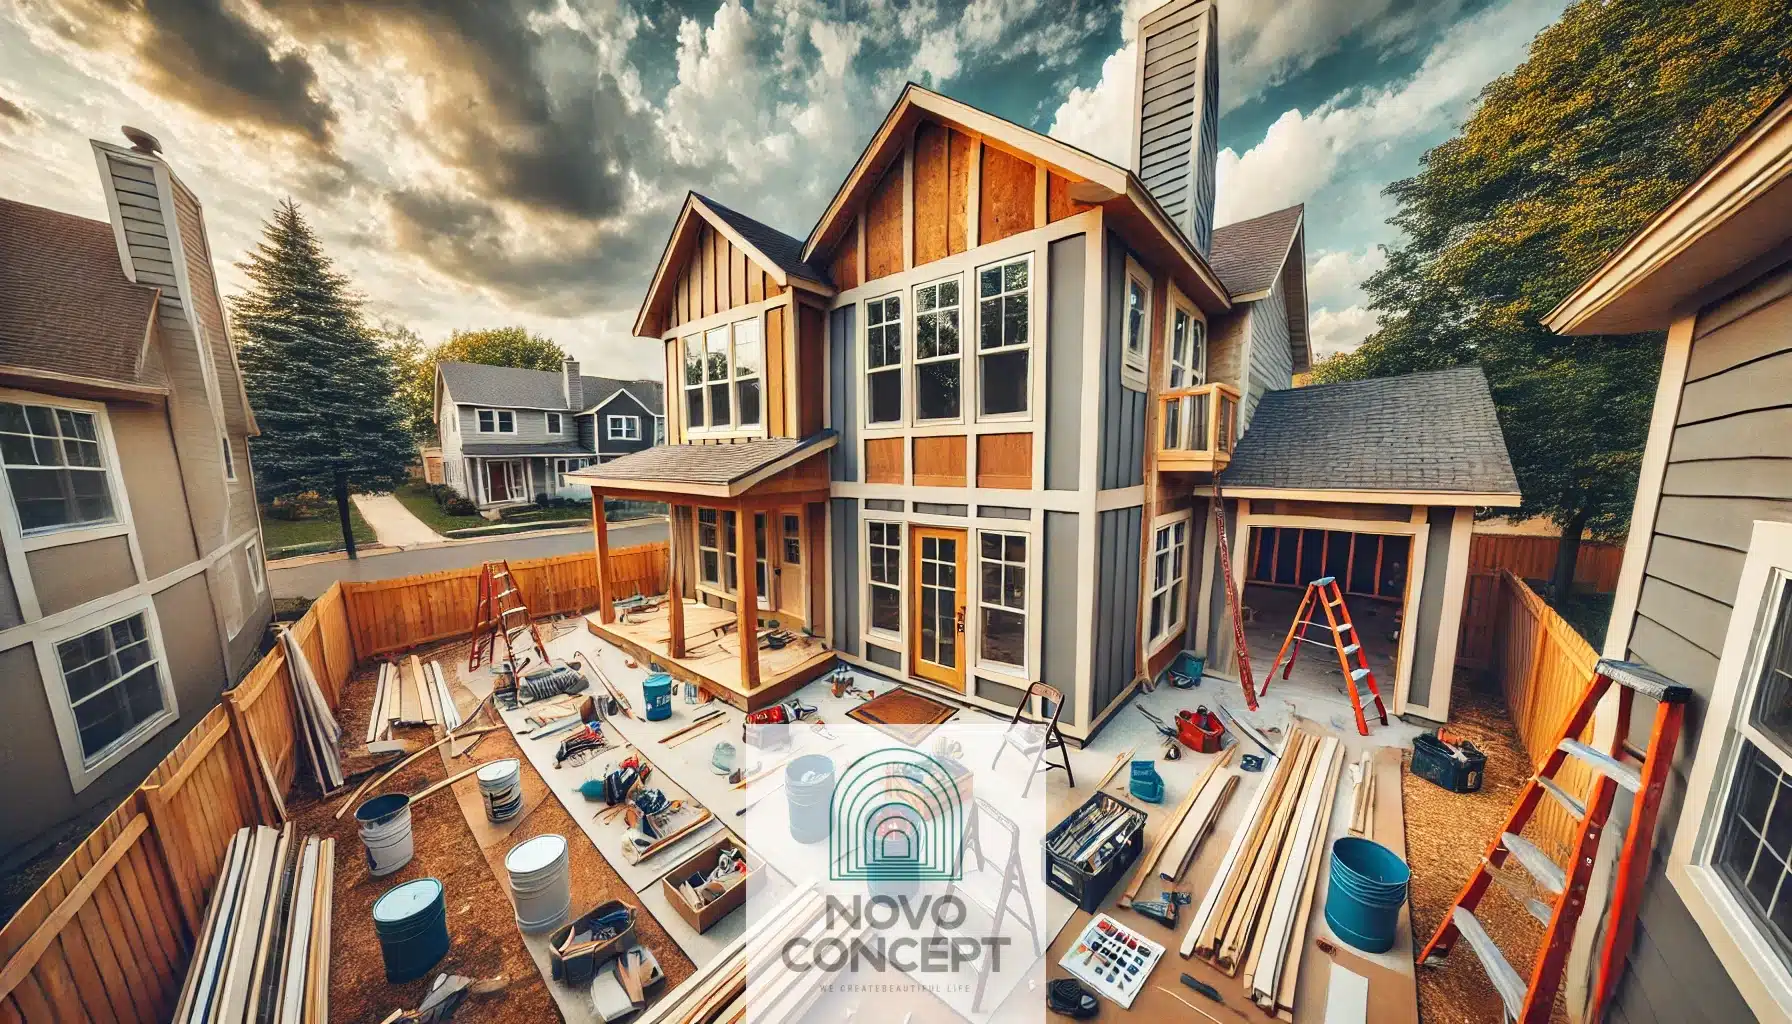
394	524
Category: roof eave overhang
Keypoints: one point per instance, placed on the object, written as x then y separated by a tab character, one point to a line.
80	386
1737	211
660	288
1494	499
732	489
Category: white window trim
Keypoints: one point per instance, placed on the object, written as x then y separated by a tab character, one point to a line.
723	553
1031	347
55	536
257	571
497	422
1180	303
80	773
1133	364
1175	627
614	420
904	360
555	423
229	458
901	588
734	427
978	662
1748	955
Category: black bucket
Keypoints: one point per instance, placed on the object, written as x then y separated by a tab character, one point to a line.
412	922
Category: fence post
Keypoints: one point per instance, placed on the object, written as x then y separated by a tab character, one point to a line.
162	833
265	805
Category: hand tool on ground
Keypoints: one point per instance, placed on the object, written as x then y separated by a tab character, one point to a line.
1164	911
1202	987
1157	723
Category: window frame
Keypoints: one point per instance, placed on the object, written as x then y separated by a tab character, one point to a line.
902	571
121	523
1198	372
1024	611
257	569
912	354
1177	585
732	380
497	420
1749	955
555	423
1028	347
229	458
562	465
899	367
613	420
1134	362
727	550
81	772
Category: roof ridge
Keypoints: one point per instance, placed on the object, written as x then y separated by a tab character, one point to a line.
1261	216
1309	388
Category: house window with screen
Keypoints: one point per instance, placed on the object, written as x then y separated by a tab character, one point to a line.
55	467
1169	556
113	682
553	423
1003	336
1002	598
497	421
937	351
622	428
883	360
884	553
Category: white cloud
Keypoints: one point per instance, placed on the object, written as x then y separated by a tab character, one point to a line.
1342	331
1100	118
1335	279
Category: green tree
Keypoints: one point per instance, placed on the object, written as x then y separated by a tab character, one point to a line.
414	372
1619	105
495	346
321	384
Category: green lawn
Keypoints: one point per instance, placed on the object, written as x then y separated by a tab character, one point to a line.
322	530
415	496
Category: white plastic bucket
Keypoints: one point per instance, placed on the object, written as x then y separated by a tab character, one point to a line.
540	883
386	833
501	788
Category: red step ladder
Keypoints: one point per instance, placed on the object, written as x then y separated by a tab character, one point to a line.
500	619
1323	593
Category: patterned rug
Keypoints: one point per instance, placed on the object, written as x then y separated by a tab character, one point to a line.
904	714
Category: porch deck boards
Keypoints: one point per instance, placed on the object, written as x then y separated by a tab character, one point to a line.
713	658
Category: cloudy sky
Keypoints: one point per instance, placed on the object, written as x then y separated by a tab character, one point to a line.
480	162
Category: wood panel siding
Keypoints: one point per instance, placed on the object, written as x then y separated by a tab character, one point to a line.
942	176
778	373
1058	204
811	368
883	227
883	460
940	461
717	276
1005	460
844	268
958	189
1006	198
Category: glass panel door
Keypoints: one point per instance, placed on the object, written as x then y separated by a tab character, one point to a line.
761	565
938	654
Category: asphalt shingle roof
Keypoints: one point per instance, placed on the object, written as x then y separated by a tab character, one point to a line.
65	304
705	463
507	387
487	449
780	248
1434	431
1247	255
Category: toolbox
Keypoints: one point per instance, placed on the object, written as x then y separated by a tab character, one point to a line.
1434	761
1200	730
1072	876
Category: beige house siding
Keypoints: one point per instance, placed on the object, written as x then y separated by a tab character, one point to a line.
70	575
152	480
10	615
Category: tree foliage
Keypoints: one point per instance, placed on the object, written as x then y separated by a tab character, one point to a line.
1618	107
320	383
496	346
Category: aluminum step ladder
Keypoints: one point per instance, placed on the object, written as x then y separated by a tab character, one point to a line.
1529	1002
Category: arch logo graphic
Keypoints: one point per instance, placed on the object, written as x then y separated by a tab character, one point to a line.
896	816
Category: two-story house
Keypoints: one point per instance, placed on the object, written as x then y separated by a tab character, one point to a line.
509	436
970	428
133	589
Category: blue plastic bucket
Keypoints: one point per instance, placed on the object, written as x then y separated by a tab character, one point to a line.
810	782
657	689
1367	888
412	923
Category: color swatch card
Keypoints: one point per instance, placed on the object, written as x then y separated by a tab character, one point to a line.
1112	959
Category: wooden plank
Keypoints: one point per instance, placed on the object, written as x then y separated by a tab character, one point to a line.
1175	861
1058	203
883	226
883	460
1317	854
940	461
755	283
1168	831
747	603
119	926
960	150
67	904
97	933
1007	198
845	265
1003	461
932	190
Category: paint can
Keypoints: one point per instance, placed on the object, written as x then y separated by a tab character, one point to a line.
385	823
540	883
656	689
411	920
809	781
501	788
1363	898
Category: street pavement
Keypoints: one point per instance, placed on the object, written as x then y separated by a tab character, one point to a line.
314	578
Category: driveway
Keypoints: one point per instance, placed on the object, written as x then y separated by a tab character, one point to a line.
313	579
393	524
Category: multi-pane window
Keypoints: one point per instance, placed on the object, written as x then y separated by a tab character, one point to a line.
565	466
747	363
793	539
497	421
1187	339
553	423
694	407
1002	597
716	563
883	360
1169	557
55	467
884	552
622	428
1003	336
1138	314
113	681
937	351
715	377
722	373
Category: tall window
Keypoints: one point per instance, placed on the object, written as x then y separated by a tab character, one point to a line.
497	421
1004	336
715	377
747	364
1169	557
112	676
622	428
937	351
229	457
884	552
1188	338
722	373
793	539
1138	318
694	406
257	570
883	359
1002	598
553	423
55	467
716	563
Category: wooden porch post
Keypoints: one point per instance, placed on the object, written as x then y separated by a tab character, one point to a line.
747	597
600	528
675	537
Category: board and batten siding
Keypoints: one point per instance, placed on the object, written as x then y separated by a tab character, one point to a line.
1066	261
1121	461
1729	464
843	381
1272	361
1116	604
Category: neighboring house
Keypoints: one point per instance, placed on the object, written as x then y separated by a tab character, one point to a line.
970	426
1705	593
510	435
134	589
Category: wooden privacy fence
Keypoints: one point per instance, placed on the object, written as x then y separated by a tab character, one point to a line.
1534	558
1543	666
108	935
397	614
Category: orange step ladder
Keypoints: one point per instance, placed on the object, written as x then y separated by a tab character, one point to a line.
500	619
1324	593
1530	1002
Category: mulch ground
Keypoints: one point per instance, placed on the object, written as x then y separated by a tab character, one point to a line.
484	941
1446	834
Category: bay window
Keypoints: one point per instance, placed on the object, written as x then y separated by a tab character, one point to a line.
937	351
1002	598
1004	336
883	360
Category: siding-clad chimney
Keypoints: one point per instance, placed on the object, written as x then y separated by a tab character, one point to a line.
575	385
1176	103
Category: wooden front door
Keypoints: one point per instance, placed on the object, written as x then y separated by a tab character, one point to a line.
937	567
497	481
789	574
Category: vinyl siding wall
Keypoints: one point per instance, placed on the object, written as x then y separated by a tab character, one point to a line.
531	428
1121	461
1179	131
623	404
1272	362
843	382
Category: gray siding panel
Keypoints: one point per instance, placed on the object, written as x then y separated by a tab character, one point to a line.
843	377
1121	460
1117	604
531	428
1059	625
1272	361
845	569
623	404
1431	597
1067	260
1177	157
1197	543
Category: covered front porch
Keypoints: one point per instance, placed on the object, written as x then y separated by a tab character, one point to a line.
499	480
746	565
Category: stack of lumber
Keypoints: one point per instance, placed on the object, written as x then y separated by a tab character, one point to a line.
314	719
1362	804
1253	919
1185	827
263	954
414	694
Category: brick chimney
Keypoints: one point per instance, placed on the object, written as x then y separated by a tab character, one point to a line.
574	384
1177	112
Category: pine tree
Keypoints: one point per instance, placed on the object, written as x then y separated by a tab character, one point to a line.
322	386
